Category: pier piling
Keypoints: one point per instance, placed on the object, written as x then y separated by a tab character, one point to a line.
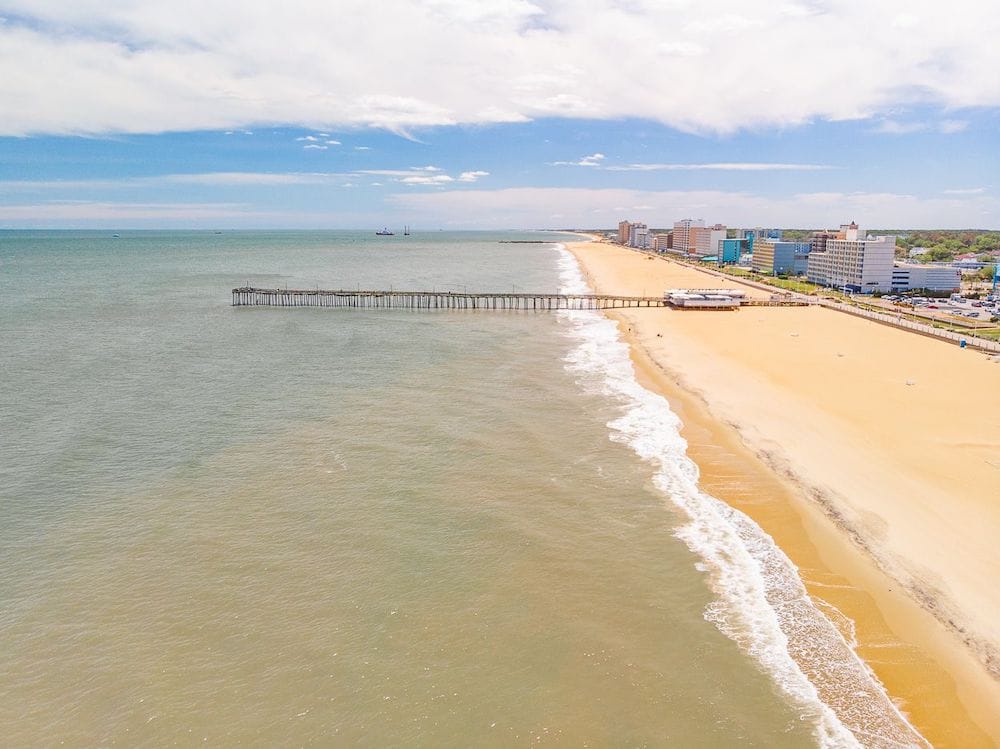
248	296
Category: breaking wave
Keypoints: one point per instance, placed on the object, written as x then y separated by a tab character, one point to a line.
760	602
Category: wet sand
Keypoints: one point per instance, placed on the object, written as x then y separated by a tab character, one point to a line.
880	491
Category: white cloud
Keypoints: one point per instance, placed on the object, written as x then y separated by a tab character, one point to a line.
250	178
315	147
965	191
423	175
317	138
87	67
86	211
426	179
39	185
104	214
472	176
540	207
905	21
594	159
216	179
362	148
953	126
894	127
681	49
533	207
389	172
721	166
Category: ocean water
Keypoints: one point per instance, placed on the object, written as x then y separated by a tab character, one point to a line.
327	527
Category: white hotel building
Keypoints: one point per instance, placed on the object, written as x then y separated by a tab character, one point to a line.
639	237
861	265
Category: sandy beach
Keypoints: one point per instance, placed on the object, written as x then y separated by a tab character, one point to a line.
872	457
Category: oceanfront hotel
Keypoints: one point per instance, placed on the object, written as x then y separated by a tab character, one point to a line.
846	258
775	257
853	261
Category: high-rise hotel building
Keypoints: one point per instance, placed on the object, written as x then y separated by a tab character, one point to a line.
706	240
683	241
624	229
852	261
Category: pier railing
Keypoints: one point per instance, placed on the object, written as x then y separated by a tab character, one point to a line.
254	297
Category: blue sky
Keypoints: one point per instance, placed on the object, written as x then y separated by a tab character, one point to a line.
503	114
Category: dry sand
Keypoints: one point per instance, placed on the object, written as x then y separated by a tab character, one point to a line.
871	455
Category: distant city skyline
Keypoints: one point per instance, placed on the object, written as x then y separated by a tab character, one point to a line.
511	114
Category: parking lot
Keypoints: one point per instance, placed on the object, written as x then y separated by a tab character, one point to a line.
972	310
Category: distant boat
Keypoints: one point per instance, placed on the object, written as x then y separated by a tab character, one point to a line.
115	236
384	233
406	231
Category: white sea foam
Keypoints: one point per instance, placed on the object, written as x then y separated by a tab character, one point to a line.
761	602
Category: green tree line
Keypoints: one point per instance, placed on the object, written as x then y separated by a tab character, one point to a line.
942	246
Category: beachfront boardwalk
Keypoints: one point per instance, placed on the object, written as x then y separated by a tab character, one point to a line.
254	297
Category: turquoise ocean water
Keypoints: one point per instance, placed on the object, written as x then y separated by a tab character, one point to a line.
329	527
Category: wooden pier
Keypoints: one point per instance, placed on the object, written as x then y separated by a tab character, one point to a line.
253	297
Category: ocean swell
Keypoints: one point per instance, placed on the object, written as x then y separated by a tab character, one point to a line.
761	602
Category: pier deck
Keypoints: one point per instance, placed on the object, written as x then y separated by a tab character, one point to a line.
255	297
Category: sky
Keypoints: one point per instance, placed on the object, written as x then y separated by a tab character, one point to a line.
498	114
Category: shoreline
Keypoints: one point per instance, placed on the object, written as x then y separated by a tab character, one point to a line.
935	679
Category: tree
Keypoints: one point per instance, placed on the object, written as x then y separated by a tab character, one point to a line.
987	242
938	253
